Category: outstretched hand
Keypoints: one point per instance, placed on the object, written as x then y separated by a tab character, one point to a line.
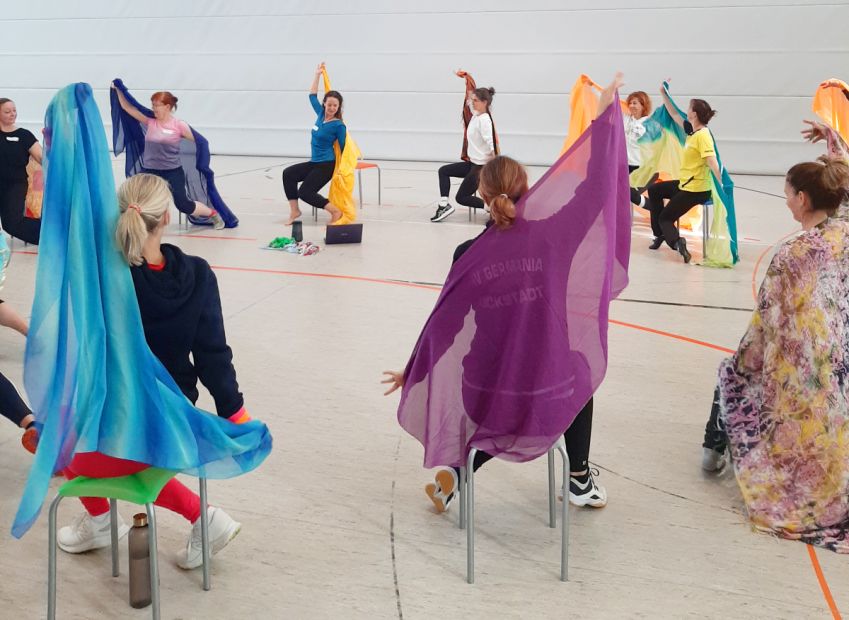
831	83
460	73
320	68
816	132
395	379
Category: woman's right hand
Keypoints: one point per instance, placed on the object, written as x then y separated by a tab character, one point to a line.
460	73
395	379
816	132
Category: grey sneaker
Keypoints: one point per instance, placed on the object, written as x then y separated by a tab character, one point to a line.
217	222
442	212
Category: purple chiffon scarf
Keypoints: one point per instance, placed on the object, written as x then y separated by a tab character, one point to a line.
517	342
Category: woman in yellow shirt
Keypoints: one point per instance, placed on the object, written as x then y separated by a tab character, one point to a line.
693	186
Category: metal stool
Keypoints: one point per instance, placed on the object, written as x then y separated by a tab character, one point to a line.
365	165
140	488
467	508
706	208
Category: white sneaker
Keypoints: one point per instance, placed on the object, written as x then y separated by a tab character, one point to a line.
87	533
222	529
217	221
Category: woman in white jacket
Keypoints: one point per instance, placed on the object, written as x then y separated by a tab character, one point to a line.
479	147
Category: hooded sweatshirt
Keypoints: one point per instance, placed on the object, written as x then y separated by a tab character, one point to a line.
181	314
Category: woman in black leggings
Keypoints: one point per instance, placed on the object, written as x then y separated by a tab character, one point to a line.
17	145
693	186
480	145
317	172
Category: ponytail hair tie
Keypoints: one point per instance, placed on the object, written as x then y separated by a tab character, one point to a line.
135	207
505	195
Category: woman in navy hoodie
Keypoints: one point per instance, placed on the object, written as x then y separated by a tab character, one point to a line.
181	315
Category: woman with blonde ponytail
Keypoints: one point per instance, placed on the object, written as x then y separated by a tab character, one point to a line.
780	405
181	314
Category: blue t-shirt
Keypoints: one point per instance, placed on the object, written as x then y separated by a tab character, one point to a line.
325	134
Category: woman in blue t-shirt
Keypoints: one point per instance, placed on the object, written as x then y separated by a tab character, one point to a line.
317	172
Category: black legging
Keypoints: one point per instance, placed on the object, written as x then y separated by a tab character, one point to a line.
11	404
467	171
13	198
176	178
680	201
635	195
577	438
315	175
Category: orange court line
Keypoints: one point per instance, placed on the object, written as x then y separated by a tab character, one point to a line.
817	570
216	237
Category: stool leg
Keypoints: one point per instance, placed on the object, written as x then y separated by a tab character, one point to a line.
51	559
564	542
470	516
552	513
204	533
154	561
704	231
113	531
360	186
379	183
315	214
461	523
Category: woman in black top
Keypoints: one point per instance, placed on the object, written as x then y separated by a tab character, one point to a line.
17	145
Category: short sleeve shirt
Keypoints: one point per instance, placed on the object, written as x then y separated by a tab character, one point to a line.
14	153
695	174
162	143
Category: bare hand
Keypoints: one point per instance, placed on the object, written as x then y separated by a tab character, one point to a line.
320	68
816	132
395	379
460	73
831	83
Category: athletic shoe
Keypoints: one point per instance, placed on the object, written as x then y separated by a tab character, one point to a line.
681	246
656	243
587	492
217	222
222	529
442	492
442	212
712	460
87	533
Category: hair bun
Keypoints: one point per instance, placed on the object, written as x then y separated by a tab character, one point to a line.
491	91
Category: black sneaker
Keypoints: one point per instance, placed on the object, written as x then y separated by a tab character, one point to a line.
583	491
658	241
681	246
442	212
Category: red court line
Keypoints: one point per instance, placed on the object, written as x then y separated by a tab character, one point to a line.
331	276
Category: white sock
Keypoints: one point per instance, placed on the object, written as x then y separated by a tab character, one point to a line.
101	519
443	202
643	202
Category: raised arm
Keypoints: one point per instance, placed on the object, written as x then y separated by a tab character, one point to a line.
470	86
667	103
128	107
609	94
318	71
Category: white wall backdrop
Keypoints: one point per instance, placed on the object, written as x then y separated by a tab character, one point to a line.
242	69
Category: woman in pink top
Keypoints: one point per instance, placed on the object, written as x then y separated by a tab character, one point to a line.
162	150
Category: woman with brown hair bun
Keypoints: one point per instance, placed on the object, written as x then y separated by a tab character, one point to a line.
480	145
780	405
693	186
